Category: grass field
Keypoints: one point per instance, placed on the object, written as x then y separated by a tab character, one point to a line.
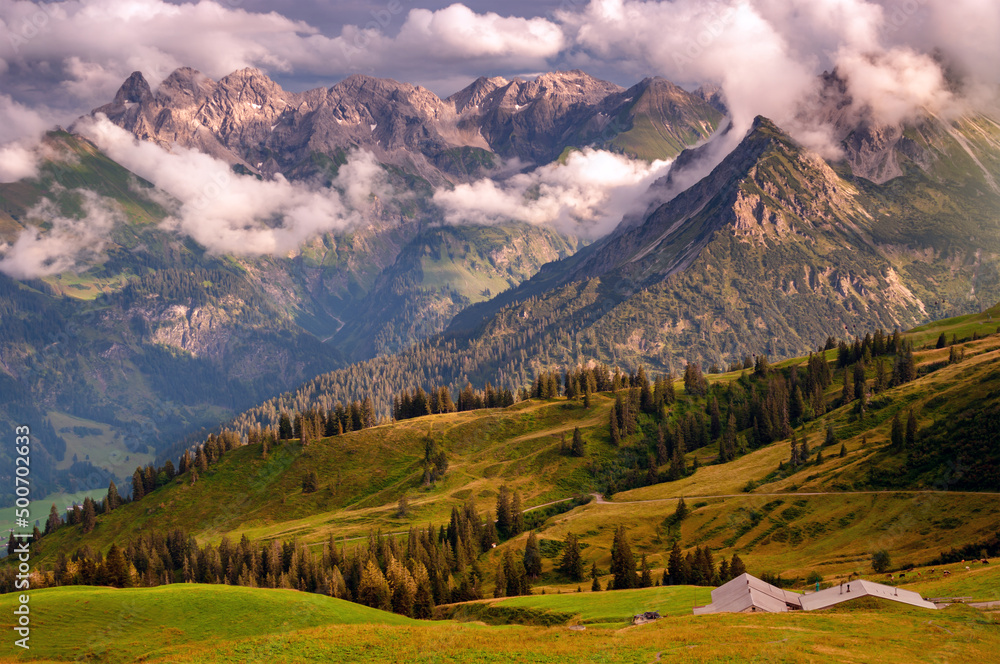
184	624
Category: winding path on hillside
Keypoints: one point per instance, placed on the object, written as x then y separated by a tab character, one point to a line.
600	500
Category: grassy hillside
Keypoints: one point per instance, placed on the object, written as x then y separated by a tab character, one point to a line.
823	518
364	473
105	624
188	624
755	505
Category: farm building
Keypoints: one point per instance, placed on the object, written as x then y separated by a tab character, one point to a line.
748	594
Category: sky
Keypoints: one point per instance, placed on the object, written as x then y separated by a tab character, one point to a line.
899	59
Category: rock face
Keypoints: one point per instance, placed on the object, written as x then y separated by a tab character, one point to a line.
772	252
248	119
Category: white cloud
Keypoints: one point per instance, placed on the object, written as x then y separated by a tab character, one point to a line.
766	54
237	214
68	244
17	162
586	197
20	132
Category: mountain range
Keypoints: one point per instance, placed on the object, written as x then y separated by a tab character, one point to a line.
771	250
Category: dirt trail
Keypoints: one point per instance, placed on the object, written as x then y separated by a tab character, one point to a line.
599	498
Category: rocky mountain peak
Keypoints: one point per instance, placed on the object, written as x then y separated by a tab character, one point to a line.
134	90
477	93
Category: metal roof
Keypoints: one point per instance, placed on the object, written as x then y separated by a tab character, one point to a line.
748	593
856	589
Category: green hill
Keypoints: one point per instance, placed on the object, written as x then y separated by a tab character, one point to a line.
797	521
362	475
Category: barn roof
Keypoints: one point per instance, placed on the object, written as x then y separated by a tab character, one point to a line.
748	593
857	589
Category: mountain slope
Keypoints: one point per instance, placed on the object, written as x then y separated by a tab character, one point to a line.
776	246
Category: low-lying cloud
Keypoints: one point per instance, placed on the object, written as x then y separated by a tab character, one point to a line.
67	245
239	214
586	197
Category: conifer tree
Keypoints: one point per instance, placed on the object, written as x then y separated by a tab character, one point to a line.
595	585
505	517
577	447
645	576
681	511
402	587
675	565
571	563
897	438
116	572
622	561
532	557
137	488
616	436
831	435
113	500
501	581
715	426
736	567
843	450
89	518
53	522
517	515
911	428
373	590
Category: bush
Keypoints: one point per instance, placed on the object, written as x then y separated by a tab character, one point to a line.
881	561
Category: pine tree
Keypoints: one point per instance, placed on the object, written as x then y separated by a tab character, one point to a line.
715	427
831	435
622	561
595	585
284	427
532	557
517	515
577	448
897	438
736	567
89	519
681	511
616	436
113	500
373	590
53	522
402	587
645	576
819	457
694	381
942	341
505	518
843	450
137	489
911	428
571	564
675	566
115	568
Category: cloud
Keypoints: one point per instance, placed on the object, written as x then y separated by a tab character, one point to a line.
237	214
17	162
587	196
19	135
83	49
67	245
766	54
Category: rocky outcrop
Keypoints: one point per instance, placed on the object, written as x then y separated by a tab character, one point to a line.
248	119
